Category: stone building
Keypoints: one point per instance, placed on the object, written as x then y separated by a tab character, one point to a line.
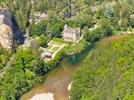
47	54
71	34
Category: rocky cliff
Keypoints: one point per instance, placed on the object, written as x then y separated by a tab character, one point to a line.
6	33
6	38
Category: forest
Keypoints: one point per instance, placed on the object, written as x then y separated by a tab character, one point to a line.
97	19
108	15
107	71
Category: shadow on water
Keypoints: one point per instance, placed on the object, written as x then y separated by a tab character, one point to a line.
74	59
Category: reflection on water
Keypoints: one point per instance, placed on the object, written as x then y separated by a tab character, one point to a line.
57	80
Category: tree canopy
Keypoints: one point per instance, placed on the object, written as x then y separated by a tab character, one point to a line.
25	70
107	72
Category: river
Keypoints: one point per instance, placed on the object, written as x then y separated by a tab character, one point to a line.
56	82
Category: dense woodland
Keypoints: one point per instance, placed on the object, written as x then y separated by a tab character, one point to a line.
4	57
107	72
107	14
110	17
25	70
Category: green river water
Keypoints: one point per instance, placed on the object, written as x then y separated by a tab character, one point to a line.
57	80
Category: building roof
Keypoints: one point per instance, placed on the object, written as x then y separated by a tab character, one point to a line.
48	53
68	29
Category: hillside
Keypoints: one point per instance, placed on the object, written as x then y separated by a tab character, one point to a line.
107	72
83	13
35	23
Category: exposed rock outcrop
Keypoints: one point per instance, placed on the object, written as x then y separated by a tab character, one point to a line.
38	17
5	17
6	34
6	38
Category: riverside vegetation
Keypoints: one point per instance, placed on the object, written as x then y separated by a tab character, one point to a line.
24	68
107	72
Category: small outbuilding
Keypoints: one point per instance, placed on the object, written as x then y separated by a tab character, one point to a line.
47	54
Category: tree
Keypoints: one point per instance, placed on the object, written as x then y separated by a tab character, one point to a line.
107	72
132	21
56	28
4	57
25	70
38	29
43	40
109	12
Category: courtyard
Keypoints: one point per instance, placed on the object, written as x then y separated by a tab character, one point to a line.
54	47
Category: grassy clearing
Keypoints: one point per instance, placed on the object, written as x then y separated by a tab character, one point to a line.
56	43
55	48
60	40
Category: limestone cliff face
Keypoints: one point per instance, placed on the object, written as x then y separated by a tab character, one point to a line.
5	17
6	34
6	39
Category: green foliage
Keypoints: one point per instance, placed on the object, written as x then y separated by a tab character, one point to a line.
25	70
107	72
43	40
74	12
74	48
98	33
38	29
4	57
109	12
56	28
117	16
132	21
20	10
51	28
56	60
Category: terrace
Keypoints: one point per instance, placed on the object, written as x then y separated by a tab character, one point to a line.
53	47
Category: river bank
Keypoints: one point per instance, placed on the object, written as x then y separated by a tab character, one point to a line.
56	82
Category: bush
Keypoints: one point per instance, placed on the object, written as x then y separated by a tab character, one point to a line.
57	59
43	40
4	57
38	29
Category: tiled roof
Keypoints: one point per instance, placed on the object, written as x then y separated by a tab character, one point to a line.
46	53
